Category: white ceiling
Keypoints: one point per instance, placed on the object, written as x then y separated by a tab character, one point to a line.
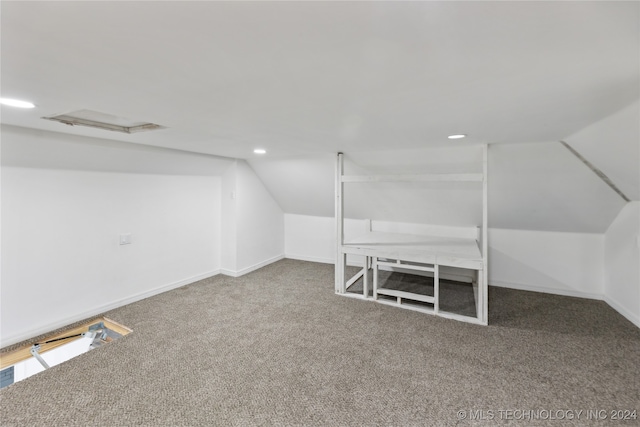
301	78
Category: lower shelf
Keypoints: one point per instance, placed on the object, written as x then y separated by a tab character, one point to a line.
406	295
429	310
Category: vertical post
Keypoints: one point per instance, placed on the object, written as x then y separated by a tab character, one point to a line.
484	286
365	278
339	213
374	265
367	264
436	289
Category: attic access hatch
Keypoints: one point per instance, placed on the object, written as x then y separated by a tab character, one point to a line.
95	119
31	359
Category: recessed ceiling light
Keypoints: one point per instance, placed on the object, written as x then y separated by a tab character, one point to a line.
458	136
259	151
16	103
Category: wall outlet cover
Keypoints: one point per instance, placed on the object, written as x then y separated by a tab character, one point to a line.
125	239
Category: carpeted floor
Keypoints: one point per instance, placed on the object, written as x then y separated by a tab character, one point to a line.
278	347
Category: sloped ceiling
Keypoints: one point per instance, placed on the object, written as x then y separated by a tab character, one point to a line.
532	186
613	144
306	77
383	81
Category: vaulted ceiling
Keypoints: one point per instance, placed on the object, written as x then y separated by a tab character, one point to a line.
307	77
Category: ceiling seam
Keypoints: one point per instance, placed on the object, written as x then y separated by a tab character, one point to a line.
597	171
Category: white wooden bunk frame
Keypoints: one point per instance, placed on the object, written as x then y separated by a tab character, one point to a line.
423	255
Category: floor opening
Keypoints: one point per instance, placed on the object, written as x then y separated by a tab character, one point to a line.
31	359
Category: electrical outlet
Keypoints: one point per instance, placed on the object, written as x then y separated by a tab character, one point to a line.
125	239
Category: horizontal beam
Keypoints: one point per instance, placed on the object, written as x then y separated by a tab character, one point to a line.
433	177
406	295
405	266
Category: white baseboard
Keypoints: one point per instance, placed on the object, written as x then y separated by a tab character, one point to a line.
254	267
50	326
554	291
310	258
633	318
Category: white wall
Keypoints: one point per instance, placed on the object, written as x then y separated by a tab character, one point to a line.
310	238
557	263
253	232
544	187
259	221
534	186
66	199
301	185
313	238
305	185
228	257
560	263
622	261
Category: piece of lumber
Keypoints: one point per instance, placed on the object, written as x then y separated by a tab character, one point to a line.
433	177
23	353
405	295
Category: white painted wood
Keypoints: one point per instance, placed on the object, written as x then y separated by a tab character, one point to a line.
354	279
427	310
483	299
460	317
476	293
444	273
454	252
440	177
421	249
436	289
365	278
353	295
407	306
374	263
399	266
339	215
405	295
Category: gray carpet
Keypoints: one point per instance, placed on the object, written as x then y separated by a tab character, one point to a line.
278	347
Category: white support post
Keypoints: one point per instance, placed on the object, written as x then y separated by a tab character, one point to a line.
436	289
367	266
374	262
365	278
484	285
339	213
